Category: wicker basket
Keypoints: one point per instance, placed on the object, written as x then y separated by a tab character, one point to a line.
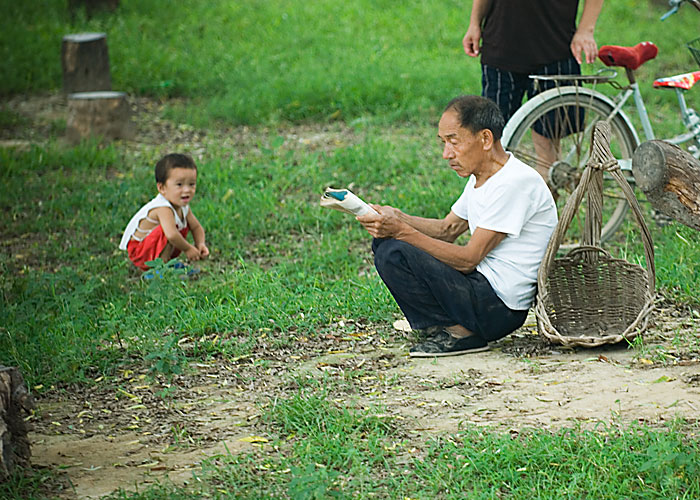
589	298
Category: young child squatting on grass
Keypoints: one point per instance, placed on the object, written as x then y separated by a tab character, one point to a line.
160	227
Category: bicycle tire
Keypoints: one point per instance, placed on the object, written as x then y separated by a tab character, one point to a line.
567	115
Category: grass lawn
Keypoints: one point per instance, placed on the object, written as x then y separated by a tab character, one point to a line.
277	100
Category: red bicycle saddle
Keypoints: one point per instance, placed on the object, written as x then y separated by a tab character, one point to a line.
627	57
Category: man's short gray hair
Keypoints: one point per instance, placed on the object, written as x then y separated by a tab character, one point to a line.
478	113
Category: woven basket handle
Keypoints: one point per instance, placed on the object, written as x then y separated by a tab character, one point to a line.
601	159
584	250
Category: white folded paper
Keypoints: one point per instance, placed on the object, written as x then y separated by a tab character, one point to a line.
345	201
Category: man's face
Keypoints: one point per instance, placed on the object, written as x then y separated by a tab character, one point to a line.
462	149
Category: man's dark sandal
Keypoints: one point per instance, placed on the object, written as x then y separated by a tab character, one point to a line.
444	344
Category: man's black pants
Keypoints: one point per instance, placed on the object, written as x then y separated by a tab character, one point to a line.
431	293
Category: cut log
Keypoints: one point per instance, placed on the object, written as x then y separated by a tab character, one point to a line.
15	405
98	114
670	179
85	61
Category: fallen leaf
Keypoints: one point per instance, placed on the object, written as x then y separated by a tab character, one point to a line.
253	439
228	195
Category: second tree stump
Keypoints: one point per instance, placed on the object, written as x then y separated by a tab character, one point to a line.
98	114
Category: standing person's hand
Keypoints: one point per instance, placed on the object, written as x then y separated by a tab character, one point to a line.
471	41
584	42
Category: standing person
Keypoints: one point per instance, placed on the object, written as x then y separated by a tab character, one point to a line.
518	38
159	229
463	296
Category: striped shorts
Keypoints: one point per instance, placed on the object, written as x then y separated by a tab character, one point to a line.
507	89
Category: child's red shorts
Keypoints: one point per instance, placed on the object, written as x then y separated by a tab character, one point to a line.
151	247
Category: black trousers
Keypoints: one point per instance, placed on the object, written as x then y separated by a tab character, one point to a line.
431	293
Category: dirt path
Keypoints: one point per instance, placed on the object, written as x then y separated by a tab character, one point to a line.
125	434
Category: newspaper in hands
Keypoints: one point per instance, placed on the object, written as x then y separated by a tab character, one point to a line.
345	201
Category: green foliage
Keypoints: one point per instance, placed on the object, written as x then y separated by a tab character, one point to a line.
608	462
253	62
166	359
49	325
72	308
676	254
279	265
28	484
638	463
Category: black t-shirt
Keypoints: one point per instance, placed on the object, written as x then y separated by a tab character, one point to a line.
522	35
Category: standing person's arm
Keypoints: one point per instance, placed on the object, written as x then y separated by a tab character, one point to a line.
584	40
472	38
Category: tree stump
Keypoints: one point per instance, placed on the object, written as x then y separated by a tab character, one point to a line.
15	404
670	179
85	62
98	114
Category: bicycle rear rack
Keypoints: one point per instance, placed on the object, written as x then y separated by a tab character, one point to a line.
605	75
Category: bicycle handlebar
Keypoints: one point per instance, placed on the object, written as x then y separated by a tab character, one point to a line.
676	4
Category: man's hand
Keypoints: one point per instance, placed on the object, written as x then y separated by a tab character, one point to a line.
385	224
584	42
471	40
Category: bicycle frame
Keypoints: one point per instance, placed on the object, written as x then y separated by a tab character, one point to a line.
616	102
688	115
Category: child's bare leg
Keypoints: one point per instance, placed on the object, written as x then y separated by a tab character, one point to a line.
167	252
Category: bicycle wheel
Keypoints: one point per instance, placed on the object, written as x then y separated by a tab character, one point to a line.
552	133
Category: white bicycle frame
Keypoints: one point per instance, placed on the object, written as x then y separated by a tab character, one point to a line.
689	116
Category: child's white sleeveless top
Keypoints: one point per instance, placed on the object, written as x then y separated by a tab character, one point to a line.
158	201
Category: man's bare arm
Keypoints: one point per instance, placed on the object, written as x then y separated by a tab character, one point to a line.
387	224
463	258
445	229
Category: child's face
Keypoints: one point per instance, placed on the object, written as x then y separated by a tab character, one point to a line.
180	186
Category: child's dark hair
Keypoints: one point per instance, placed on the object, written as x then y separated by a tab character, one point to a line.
171	161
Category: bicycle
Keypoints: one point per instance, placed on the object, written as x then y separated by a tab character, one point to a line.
564	116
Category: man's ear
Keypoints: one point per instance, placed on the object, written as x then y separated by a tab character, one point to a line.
161	187
486	137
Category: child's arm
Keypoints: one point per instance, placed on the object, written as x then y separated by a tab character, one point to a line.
197	234
166	219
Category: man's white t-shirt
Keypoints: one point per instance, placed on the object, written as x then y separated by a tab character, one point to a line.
515	201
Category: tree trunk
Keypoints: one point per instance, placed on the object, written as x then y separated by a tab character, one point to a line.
85	62
15	405
670	179
93	6
98	114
